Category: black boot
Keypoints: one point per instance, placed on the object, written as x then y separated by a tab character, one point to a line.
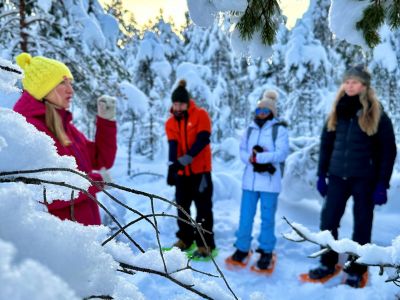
354	280
264	260
321	272
239	256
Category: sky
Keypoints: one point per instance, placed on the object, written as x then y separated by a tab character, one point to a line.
147	10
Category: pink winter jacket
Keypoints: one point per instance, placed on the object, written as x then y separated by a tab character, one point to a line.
89	156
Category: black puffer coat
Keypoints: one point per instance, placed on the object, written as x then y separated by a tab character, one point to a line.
350	152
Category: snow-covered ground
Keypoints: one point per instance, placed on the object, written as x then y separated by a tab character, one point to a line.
292	260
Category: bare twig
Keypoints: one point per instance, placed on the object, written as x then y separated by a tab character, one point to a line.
8	69
147	216
72	206
157	236
146	173
146	270
99	297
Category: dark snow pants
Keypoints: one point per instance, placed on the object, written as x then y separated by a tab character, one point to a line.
339	191
197	188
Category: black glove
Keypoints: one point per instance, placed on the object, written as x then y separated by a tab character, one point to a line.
261	168
258	149
176	166
171	177
173	172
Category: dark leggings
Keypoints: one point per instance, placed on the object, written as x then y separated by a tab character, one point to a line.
339	191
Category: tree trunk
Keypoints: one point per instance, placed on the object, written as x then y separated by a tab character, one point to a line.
22	27
130	143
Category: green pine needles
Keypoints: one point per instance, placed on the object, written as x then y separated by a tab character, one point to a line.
393	14
260	15
375	15
263	16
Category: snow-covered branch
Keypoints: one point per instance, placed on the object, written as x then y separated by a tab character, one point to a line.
21	176
386	258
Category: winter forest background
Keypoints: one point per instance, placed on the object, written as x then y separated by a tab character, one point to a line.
108	53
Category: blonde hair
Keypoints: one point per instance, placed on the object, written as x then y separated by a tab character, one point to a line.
370	115
55	125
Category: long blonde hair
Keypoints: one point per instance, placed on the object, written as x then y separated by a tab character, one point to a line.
370	115
55	125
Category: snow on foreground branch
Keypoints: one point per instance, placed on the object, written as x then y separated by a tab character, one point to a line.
386	258
43	257
80	261
172	265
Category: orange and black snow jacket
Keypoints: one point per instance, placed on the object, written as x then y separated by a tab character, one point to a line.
185	131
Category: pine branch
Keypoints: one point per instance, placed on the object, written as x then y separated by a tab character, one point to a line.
393	14
259	15
373	18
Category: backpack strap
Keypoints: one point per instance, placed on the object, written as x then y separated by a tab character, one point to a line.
275	128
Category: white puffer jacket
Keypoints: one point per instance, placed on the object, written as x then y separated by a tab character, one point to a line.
273	153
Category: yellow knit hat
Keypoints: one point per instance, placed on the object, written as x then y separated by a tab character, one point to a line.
41	74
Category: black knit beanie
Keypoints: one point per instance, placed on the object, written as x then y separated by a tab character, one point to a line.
180	94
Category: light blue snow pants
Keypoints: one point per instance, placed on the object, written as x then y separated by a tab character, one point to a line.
248	206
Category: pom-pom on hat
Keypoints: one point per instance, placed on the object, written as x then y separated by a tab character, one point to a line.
269	100
41	74
180	94
358	72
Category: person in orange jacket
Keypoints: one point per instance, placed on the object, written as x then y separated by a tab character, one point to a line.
188	130
45	101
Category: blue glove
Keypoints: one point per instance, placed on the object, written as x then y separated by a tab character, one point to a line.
322	186
380	196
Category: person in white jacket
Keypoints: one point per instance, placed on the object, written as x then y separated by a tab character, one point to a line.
264	147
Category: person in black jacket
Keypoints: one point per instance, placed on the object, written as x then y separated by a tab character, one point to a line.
357	154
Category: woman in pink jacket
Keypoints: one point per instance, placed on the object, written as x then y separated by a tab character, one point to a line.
44	103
